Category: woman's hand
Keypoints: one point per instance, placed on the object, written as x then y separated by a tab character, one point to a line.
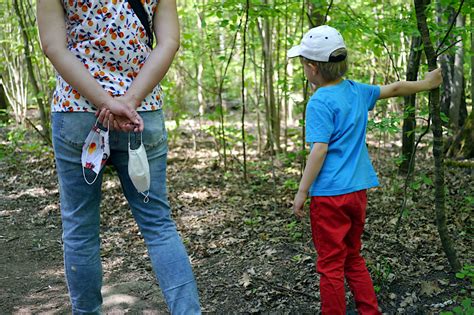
119	115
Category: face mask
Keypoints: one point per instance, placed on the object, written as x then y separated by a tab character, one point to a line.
95	151
138	169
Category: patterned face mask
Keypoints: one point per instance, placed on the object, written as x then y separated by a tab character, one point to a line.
96	151
138	168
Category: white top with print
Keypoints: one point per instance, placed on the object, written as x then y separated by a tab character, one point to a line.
109	39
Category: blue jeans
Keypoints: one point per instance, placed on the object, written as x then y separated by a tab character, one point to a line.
80	214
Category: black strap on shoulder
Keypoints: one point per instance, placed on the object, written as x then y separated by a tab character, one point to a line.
137	7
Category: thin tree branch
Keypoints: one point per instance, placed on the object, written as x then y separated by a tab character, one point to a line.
381	39
408	176
48	140
450	28
447	48
327	12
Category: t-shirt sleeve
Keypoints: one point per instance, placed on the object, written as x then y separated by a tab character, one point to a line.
319	121
371	94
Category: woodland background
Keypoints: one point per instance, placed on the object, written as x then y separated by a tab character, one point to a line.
235	116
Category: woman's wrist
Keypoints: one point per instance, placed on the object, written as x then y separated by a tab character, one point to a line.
104	101
132	100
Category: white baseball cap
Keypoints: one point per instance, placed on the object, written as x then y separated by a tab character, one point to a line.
318	44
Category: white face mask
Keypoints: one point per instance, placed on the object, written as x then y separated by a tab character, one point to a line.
95	151
138	169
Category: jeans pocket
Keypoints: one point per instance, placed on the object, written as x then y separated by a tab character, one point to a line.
154	134
72	128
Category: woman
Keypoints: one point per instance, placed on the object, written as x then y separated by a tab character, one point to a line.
104	65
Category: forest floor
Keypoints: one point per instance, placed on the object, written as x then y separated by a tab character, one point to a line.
248	252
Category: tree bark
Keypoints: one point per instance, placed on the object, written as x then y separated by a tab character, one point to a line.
409	121
31	74
273	135
3	104
446	60
244	46
457	84
446	241
463	144
199	71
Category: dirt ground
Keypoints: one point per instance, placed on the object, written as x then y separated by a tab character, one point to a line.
248	253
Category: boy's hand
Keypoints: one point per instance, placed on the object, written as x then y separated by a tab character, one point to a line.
298	204
434	78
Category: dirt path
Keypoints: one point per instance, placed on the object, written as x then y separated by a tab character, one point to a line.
248	253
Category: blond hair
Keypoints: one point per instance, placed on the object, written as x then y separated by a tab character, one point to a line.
331	71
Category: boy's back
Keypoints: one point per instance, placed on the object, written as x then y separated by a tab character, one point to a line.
337	115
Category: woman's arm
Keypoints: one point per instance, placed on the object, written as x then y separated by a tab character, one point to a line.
403	88
53	37
166	28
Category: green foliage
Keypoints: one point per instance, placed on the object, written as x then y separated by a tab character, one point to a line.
466	308
254	220
291	184
468	204
419	181
294	230
467	272
21	140
390	124
380	273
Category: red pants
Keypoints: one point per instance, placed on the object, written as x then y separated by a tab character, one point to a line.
337	223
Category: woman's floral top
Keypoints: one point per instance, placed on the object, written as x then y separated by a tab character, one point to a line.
109	39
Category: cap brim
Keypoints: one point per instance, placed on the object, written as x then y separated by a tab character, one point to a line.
294	52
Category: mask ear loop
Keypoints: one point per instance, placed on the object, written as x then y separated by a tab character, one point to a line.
147	198
84	175
97	175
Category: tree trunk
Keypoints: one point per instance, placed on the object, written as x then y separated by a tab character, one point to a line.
199	70
244	46
3	104
409	121
472	62
273	139
446	60
446	241
285	80
457	85
31	74
463	144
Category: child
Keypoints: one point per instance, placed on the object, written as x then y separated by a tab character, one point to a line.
338	171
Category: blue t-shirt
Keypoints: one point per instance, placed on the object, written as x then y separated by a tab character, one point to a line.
337	115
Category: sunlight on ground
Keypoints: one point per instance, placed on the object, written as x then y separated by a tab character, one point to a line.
117	299
39	302
38	192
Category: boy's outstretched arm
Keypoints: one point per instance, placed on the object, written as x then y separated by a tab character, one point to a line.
313	166
403	88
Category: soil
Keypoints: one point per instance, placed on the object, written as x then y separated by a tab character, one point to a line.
248	252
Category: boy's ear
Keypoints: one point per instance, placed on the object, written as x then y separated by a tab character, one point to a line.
313	67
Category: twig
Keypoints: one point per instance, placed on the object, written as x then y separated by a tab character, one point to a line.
280	287
462	164
12	239
48	140
327	11
381	39
450	28
447	48
407	178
